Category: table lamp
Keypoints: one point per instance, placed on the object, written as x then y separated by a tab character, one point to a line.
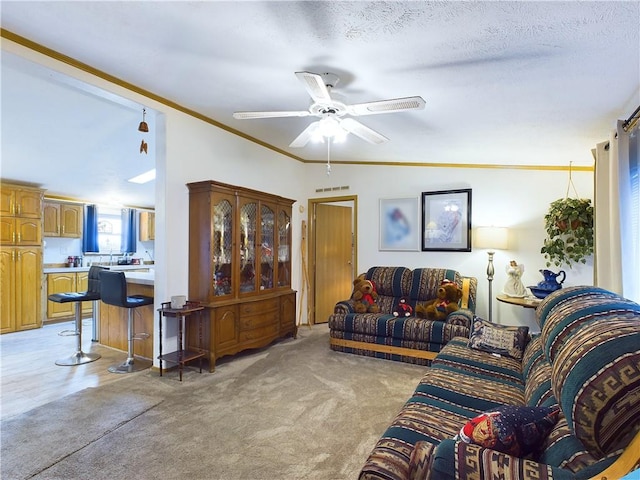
491	238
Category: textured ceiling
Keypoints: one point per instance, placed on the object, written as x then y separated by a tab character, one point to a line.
505	83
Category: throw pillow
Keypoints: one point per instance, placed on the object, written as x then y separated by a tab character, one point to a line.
517	431
500	339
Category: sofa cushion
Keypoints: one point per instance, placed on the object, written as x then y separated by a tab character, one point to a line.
426	281
515	430
537	374
403	328
456	460
562	449
419	285
392	455
500	339
592	338
457	356
392	282
471	381
420	461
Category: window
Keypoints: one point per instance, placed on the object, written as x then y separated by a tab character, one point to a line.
109	230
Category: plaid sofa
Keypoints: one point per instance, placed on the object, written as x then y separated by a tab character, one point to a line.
586	360
407	339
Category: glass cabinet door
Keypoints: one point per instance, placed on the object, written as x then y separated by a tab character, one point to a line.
248	222
284	249
267	226
222	247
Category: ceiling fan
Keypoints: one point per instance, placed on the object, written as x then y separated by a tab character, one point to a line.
331	110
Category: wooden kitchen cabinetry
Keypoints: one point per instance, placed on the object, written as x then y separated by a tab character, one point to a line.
240	267
147	226
62	219
63	282
20	257
20	279
21	211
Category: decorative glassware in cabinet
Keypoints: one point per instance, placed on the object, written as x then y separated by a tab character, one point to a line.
222	247
248	219
267	221
284	249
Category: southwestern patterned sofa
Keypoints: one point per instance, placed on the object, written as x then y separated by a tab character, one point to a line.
408	339
586	360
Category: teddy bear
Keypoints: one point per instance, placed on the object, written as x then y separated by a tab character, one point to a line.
403	309
364	296
448	296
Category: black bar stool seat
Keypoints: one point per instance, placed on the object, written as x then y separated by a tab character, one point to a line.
92	293
113	291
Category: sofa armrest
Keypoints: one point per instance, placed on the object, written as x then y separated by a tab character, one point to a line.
462	316
344	307
457	460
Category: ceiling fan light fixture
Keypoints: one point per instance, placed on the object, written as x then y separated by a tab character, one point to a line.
329	127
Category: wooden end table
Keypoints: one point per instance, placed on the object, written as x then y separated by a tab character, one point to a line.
526	302
181	356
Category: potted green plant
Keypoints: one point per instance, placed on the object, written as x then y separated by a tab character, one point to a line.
569	227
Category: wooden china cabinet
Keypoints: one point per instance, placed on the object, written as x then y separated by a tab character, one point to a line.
240	267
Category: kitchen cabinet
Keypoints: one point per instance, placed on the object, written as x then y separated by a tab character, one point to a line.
20	257
62	219
21	287
20	201
20	231
67	282
239	267
82	285
147	226
21	210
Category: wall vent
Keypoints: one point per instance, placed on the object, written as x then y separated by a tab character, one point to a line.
332	189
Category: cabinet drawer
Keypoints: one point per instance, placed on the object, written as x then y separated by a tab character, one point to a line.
259	333
260	320
249	308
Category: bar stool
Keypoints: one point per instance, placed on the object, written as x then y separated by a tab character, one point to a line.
92	293
113	291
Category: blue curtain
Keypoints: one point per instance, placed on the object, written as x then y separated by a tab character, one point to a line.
129	231
90	236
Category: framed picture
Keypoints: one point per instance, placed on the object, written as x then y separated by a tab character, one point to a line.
399	224
446	220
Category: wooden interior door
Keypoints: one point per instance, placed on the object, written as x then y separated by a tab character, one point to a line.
333	258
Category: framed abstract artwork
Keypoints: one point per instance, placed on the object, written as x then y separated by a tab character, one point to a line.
446	220
399	224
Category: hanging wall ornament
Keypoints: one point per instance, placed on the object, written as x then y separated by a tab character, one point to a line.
143	127
143	147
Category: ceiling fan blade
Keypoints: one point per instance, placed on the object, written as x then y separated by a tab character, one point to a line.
387	106
306	135
362	131
315	86
251	115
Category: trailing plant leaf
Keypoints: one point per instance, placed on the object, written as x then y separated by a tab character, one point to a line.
569	227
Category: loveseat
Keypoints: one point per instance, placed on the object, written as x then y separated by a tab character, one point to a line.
585	361
408	339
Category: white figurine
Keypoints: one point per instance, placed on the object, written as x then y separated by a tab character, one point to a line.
514	286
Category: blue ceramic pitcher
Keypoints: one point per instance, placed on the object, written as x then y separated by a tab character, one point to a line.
551	281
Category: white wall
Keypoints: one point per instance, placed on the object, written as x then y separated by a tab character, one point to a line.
196	151
513	198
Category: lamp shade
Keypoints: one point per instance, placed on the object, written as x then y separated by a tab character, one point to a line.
492	238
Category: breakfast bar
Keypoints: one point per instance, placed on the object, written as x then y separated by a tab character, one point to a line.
112	320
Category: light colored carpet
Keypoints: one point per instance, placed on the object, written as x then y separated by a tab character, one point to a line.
295	410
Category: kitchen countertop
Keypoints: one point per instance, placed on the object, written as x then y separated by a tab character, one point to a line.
86	269
141	278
